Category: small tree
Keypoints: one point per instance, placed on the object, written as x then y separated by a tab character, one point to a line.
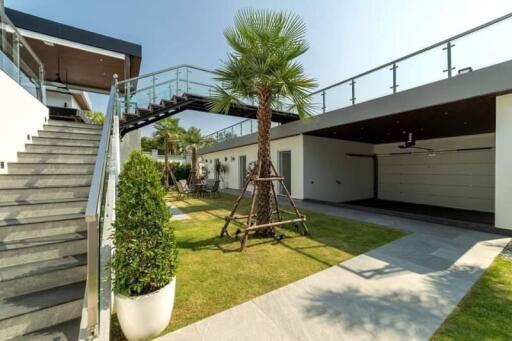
169	131
192	139
145	252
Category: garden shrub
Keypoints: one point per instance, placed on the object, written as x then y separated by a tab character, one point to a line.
145	255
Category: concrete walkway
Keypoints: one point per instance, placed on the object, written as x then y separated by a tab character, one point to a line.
403	290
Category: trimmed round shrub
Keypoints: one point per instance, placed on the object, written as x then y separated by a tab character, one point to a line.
145	255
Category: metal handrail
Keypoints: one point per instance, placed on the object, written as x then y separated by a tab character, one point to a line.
438	44
93	211
228	127
165	70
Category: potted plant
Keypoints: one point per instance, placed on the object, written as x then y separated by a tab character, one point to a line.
145	255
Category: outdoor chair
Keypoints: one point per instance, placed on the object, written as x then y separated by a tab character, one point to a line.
182	188
212	187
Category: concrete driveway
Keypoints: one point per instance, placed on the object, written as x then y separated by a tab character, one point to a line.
403	290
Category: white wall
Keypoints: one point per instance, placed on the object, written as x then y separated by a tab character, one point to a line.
57	99
129	143
21	115
503	194
231	178
331	175
457	179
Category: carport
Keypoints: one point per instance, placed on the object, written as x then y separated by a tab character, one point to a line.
435	163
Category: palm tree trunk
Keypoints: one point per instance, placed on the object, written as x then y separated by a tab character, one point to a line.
193	170
166	162
264	196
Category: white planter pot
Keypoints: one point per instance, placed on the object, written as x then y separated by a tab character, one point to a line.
222	185
145	316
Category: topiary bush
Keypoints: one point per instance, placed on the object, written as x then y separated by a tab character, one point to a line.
145	255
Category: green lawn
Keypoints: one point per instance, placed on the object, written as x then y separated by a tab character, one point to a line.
214	276
485	312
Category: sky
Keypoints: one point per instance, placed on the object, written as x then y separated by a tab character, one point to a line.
346	37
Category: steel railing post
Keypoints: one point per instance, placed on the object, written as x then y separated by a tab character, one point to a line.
177	81
323	101
153	98
449	67
186	72
393	69
17	58
42	88
353	91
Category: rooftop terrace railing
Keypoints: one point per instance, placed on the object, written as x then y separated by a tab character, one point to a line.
474	49
18	60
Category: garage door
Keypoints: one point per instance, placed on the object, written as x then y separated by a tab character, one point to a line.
459	179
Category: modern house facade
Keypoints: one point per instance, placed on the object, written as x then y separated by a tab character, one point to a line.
441	140
442	143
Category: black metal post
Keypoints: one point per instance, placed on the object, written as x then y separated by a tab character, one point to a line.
353	86
448	49
394	86
323	101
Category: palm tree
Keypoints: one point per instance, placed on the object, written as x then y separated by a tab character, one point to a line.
193	139
168	131
262	67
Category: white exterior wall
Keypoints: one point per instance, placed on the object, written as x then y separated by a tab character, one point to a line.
129	143
231	178
57	99
457	179
22	114
331	175
503	194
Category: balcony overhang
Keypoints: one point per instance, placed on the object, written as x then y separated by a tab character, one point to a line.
76	58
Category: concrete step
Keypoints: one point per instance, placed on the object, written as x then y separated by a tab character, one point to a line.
68	135
51	168
54	141
43	193
11	181
41	249
38	148
67	331
55	158
63	129
74	124
38	227
28	313
35	208
27	278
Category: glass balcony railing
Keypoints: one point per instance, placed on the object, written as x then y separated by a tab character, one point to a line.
148	89
18	60
477	48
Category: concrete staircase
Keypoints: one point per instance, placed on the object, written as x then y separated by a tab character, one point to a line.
43	233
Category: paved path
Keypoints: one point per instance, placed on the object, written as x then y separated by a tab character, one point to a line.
403	290
176	213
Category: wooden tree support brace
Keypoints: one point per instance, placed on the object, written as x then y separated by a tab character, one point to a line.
249	227
277	223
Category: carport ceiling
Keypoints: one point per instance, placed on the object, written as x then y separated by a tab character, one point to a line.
467	117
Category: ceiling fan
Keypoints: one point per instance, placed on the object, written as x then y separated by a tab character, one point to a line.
410	142
62	84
